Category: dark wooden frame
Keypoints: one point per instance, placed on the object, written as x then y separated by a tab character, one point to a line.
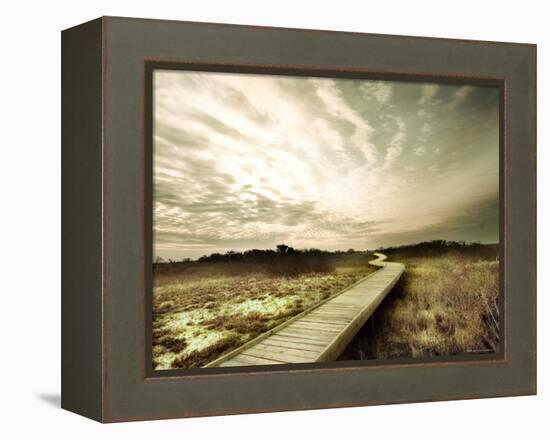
106	215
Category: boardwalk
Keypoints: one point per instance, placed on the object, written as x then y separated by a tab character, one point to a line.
322	332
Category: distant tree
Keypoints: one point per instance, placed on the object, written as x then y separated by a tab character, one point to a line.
159	260
284	249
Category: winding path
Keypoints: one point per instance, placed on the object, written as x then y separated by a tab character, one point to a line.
323	331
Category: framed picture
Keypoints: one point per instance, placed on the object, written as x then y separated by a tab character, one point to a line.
263	219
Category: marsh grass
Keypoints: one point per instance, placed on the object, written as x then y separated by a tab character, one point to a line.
446	303
202	310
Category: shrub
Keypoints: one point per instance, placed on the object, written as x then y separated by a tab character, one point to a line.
296	264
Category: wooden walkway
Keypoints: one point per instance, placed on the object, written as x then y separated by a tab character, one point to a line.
323	331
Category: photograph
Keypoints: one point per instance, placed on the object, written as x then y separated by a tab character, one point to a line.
301	219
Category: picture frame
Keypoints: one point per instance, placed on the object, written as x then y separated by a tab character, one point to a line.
107	223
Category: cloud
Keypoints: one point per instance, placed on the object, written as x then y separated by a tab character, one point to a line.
426	129
244	161
335	105
461	95
428	93
381	91
395	145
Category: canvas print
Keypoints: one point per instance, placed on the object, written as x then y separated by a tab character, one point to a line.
301	219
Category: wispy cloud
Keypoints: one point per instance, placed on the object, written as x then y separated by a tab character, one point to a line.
338	107
381	91
427	94
395	145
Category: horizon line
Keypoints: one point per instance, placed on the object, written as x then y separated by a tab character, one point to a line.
462	242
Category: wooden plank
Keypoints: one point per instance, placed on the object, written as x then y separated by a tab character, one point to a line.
326	321
294	345
334	319
336	313
281	356
271	350
337	309
331	319
320	325
325	337
235	363
301	327
298	339
254	360
335	305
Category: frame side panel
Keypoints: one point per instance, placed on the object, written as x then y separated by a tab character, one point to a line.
81	213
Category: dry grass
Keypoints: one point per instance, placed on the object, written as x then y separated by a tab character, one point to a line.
204	310
443	305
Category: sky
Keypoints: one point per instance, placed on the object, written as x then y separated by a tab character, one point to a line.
244	161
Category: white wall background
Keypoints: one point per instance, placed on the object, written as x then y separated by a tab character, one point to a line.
30	218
